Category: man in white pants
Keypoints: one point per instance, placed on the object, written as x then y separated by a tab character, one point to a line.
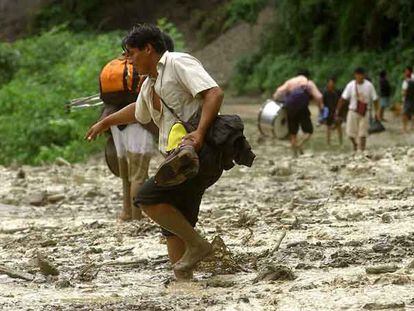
362	96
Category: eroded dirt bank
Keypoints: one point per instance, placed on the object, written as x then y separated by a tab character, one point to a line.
348	220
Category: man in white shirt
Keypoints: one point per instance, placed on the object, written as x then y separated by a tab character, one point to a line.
181	81
362	96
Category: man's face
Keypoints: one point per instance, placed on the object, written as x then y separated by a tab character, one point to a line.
407	73
331	84
359	77
139	58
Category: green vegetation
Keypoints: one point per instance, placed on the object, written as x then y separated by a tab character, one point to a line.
330	38
262	73
77	15
48	70
38	75
168	27
211	24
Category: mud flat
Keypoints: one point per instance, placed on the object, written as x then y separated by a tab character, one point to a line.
326	231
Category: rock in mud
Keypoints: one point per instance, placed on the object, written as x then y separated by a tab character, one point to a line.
382	247
411	265
394	278
47	243
37	199
221	261
220	283
63	283
21	174
275	272
61	162
54	198
381	269
88	272
410	167
386	218
410	153
283	169
45	265
384	306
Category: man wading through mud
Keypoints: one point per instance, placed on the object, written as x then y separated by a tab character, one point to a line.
183	83
296	93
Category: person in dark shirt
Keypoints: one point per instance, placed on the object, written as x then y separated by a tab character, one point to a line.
330	99
385	93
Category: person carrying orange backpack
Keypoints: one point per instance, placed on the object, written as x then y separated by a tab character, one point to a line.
134	145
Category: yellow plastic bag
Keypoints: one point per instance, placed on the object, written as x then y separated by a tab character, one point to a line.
175	136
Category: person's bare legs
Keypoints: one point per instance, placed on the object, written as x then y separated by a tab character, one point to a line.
136	211
294	144
339	130
176	249
126	213
381	113
362	143
196	247
328	135
306	137
138	165
405	123
354	143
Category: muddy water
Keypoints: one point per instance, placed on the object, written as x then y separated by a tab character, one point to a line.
341	213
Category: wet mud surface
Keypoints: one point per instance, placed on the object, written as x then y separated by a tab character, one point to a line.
326	231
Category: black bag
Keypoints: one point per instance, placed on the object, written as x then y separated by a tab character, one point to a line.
375	126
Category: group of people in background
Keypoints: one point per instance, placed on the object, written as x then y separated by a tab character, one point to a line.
358	105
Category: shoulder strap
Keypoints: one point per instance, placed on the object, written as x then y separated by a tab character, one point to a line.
163	102
356	89
125	76
170	109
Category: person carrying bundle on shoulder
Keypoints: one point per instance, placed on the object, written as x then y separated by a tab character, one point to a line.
120	84
296	94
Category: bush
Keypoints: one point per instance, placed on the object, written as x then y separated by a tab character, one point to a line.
53	68
170	28
246	10
41	74
212	24
9	62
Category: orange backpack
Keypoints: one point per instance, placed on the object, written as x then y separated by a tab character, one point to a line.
118	83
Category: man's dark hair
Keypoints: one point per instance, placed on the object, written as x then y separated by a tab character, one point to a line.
383	74
304	72
359	70
332	78
142	34
410	68
168	42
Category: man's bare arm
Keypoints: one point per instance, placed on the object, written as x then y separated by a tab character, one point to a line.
280	91
124	116
339	107
212	100
377	109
